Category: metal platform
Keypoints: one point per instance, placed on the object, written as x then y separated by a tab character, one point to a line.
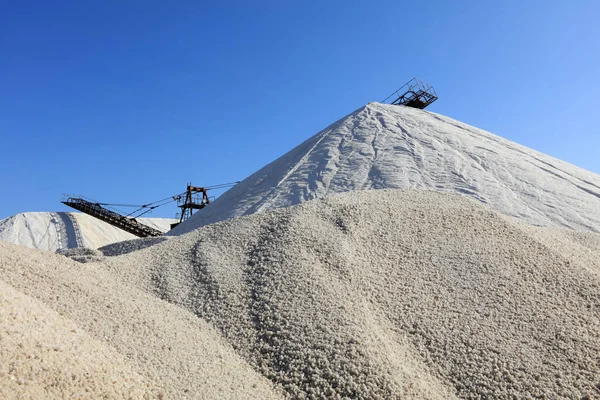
414	93
96	210
196	198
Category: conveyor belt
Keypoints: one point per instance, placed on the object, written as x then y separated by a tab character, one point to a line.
127	224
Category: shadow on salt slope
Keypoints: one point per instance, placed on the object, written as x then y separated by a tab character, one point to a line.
128	246
70	236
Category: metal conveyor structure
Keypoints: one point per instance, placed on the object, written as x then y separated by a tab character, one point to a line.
96	210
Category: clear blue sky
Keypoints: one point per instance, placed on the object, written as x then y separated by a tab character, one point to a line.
127	101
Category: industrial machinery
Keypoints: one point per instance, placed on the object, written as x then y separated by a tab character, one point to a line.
414	93
115	219
194	198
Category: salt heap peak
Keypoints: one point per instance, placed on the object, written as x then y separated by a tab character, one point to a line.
382	146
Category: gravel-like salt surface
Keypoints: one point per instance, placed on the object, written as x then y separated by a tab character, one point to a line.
370	294
82	254
181	355
45	355
128	246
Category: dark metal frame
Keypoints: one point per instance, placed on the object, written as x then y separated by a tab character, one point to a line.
96	210
414	93
193	201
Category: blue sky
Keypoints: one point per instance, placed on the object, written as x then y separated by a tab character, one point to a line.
127	101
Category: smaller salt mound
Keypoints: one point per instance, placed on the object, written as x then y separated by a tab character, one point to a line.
391	294
53	231
46	356
180	355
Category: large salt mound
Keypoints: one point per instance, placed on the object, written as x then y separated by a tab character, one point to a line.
390	147
390	294
52	231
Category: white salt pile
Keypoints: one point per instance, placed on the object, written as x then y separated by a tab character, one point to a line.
366	295
385	294
45	355
67	230
71	330
382	146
